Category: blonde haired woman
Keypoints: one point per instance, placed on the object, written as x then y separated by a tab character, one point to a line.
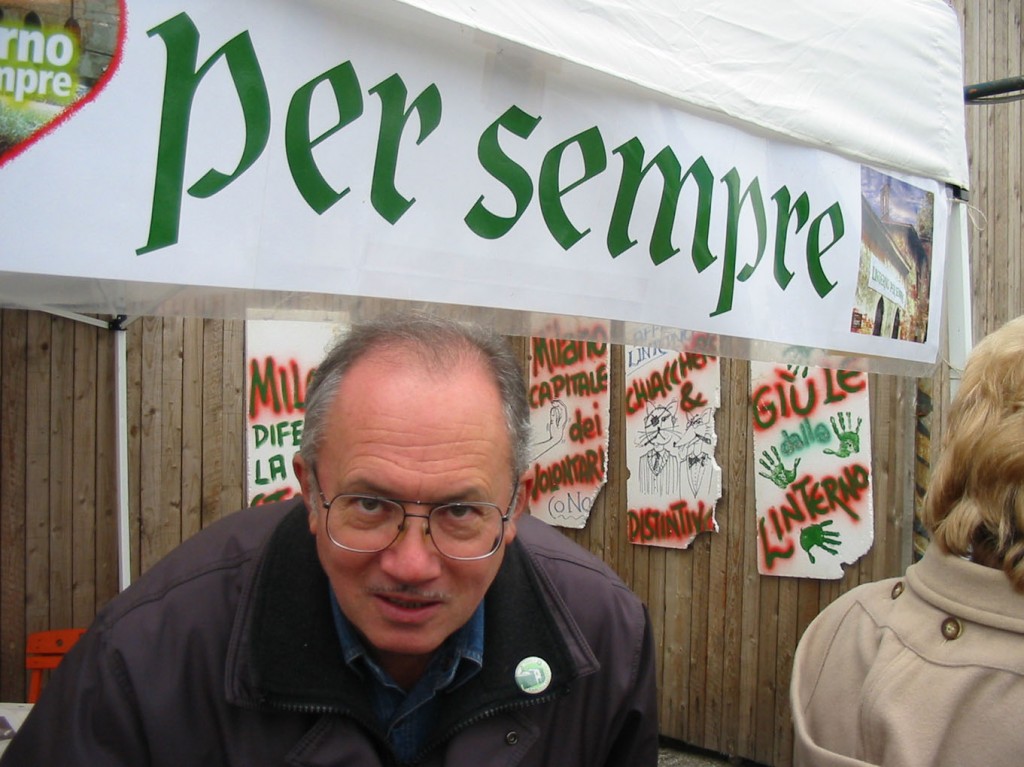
929	669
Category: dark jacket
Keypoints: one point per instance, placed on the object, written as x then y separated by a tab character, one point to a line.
225	654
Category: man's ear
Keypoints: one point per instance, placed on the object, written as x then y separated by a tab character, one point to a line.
304	474
520	506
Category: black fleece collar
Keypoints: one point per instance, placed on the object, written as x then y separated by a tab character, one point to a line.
296	662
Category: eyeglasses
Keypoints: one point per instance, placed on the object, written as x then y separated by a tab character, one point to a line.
462	530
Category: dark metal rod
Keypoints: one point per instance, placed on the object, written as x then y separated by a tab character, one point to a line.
993	88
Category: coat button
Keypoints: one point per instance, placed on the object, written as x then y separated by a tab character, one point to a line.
897	589
511	738
951	628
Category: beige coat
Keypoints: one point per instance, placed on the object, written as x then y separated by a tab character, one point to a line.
922	670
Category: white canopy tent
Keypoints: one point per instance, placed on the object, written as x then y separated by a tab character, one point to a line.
879	81
325	159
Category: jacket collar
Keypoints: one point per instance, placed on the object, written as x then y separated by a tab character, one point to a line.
288	656
967	589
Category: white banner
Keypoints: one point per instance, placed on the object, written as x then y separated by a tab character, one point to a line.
360	150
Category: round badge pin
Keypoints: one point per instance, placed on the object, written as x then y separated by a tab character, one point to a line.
533	675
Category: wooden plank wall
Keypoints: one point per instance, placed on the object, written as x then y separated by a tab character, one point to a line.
186	414
58	504
726	635
994	46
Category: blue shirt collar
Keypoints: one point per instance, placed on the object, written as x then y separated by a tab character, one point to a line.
407	717
466	643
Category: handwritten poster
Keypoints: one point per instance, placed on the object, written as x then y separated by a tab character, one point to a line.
569	412
812	446
674	481
280	358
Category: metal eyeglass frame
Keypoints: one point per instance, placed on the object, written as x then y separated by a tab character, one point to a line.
405	515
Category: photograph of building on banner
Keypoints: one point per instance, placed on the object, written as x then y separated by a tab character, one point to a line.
674	482
812	454
569	414
280	358
894	281
54	58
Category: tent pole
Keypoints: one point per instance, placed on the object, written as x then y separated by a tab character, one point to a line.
124	553
75	316
958	296
119	325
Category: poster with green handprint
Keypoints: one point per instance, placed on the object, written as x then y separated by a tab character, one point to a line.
812	460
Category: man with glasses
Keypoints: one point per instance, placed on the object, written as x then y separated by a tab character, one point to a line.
426	621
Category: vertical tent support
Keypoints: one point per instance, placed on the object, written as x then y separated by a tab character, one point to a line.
124	552
960	336
119	325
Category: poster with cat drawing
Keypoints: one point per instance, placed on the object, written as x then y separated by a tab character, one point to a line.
674	482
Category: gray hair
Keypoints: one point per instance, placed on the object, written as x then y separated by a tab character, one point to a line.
438	344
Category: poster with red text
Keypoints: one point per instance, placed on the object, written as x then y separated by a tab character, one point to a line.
569	406
674	481
812	447
280	358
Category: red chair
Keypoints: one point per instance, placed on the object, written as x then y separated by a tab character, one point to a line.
45	650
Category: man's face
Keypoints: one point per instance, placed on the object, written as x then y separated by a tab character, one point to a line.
399	431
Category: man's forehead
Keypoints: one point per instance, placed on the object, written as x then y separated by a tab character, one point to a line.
386	378
402	397
414	354
429	370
